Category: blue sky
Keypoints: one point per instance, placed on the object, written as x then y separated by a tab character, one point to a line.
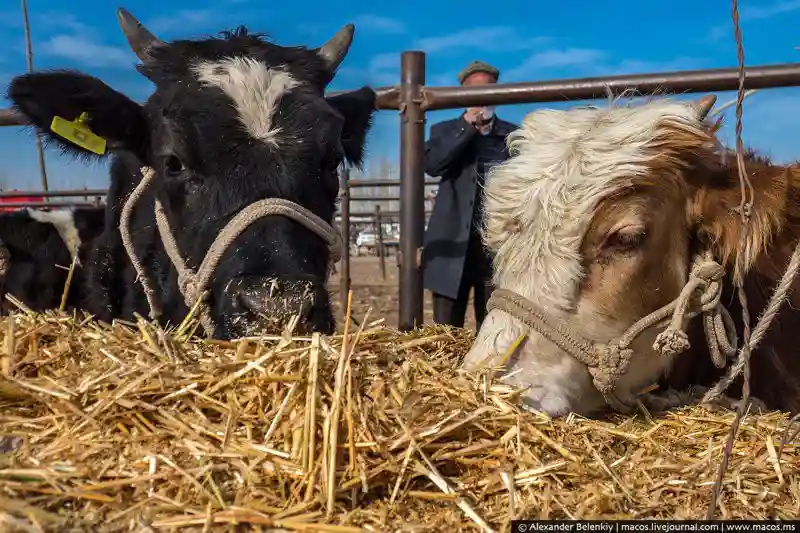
526	40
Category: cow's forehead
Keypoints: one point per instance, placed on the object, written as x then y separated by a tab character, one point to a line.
563	163
254	87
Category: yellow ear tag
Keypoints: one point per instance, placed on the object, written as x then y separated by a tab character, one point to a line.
78	132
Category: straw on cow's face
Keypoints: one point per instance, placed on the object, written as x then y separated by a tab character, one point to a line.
588	221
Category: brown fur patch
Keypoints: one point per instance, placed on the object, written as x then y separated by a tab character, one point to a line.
770	238
715	211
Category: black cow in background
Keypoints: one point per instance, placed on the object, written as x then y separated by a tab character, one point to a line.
40	247
234	119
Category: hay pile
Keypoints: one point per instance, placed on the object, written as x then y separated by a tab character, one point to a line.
126	428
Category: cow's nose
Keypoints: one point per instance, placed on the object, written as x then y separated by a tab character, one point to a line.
278	307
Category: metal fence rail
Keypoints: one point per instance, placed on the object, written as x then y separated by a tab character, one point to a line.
50	205
70	193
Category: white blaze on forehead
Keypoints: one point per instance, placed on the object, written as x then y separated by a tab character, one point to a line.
254	88
64	223
562	164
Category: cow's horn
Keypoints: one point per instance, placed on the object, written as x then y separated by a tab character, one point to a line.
336	48
703	105
139	38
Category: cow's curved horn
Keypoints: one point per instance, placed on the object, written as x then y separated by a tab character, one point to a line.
703	105
139	38
336	48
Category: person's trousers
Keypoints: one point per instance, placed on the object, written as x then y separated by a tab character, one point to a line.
454	311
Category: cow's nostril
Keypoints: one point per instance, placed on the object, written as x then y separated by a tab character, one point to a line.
258	303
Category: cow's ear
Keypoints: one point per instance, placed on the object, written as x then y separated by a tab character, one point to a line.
714	212
114	117
357	108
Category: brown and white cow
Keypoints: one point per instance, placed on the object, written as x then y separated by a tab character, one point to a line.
595	220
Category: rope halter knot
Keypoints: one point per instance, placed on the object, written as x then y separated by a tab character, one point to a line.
706	276
611	363
672	342
608	362
193	284
187	284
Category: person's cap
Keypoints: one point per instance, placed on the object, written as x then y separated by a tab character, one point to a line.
478	66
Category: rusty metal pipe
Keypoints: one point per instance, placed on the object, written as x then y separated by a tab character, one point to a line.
386	183
412	188
9	117
367	214
690	81
54	205
375	199
102	192
50	194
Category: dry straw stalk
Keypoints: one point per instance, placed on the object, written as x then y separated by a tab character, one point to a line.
126	428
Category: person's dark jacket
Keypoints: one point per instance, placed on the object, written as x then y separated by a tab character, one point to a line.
459	154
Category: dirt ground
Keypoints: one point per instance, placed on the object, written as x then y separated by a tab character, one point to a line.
371	290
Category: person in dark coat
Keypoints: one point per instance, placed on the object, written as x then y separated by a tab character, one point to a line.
460	151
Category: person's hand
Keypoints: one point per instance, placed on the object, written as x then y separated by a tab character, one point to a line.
473	115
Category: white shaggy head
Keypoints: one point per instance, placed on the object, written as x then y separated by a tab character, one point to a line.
254	88
540	206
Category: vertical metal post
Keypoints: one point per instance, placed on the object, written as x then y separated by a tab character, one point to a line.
29	58
412	188
397	257
344	276
379	234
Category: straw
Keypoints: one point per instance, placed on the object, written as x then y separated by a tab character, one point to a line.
127	426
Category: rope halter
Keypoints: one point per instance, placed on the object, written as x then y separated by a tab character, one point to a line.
193	285
608	362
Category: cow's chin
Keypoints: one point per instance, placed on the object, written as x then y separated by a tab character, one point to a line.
255	306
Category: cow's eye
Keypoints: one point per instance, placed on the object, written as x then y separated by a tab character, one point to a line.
173	166
625	239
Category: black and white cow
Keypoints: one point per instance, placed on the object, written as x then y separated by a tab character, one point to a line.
234	119
40	247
